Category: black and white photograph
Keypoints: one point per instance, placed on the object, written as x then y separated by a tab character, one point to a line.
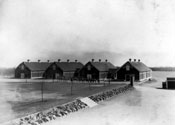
87	62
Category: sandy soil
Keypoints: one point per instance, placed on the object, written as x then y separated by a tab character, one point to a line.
142	106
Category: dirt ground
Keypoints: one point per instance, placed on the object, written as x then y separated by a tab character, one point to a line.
147	104
20	98
142	106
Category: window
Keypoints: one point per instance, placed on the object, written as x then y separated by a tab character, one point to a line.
37	74
89	67
54	67
127	67
89	76
103	75
68	74
147	74
143	75
22	67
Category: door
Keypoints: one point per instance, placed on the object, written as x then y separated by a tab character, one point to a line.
57	75
22	75
89	76
127	77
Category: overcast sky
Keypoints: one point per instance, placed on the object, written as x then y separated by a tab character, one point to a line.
84	29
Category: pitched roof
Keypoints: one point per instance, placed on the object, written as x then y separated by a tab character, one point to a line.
37	66
69	66
139	66
103	66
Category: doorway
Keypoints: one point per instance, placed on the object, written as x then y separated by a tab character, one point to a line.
22	75
128	77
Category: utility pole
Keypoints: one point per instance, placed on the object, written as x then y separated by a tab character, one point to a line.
132	80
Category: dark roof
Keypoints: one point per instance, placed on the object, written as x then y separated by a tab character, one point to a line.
139	66
37	66
103	66
69	66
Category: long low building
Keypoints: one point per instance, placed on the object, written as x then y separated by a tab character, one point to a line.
134	68
65	70
31	69
92	70
96	70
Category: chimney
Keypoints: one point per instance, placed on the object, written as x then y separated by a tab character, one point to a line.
28	60
92	60
134	60
59	60
39	60
130	59
138	60
76	60
67	60
48	61
99	60
106	60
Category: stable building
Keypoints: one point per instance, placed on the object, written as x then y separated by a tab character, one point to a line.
96	70
31	69
64	70
137	69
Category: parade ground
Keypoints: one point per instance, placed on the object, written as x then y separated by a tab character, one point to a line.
23	97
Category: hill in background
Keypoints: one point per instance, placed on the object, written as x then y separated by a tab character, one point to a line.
163	68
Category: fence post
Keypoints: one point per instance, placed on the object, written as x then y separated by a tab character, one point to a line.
71	85
42	90
89	84
109	81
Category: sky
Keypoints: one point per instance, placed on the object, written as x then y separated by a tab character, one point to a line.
84	29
